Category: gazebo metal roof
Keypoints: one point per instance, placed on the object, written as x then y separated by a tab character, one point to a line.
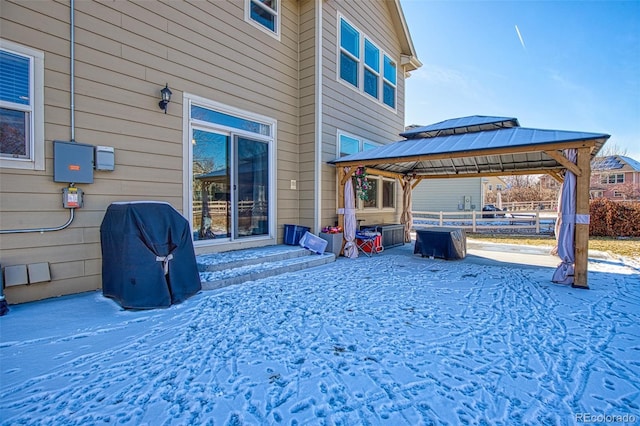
460	125
475	145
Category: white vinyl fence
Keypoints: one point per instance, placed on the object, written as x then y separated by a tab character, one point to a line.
508	222
530	205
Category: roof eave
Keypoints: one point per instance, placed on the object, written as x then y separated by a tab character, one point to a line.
410	60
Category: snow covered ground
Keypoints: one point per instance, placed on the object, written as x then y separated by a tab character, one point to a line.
394	339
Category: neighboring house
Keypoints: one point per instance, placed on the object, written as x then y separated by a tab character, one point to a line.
492	185
264	94
449	195
615	177
549	182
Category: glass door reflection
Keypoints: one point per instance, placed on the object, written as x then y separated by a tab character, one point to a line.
211	186
252	176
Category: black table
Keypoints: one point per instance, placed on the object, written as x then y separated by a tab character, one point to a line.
446	243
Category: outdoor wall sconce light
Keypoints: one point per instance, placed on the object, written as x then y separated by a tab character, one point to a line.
166	98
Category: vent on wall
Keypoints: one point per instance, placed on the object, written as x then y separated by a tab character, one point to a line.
26	274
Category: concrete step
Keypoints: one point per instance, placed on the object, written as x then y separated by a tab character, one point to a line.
219	270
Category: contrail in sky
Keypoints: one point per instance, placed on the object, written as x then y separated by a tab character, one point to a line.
520	37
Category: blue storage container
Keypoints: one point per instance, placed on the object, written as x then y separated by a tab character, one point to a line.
293	233
314	243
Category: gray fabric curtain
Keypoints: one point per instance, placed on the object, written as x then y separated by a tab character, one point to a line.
406	218
350	224
566	225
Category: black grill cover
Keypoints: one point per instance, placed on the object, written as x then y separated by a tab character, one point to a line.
148	259
447	243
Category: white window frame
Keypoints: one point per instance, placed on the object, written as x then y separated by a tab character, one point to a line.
366	67
275	12
612	179
357	60
390	83
36	160
362	66
189	123
379	207
394	195
362	143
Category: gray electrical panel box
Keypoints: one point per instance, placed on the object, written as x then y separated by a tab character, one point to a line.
72	162
105	158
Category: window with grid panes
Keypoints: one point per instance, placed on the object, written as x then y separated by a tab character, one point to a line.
364	66
21	107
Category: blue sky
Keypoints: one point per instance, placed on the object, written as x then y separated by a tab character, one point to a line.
569	65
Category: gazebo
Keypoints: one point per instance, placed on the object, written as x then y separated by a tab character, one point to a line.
489	146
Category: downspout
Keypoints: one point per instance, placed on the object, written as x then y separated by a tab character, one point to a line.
317	208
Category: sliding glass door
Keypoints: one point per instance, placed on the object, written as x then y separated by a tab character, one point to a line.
211	188
231	154
230	186
252	187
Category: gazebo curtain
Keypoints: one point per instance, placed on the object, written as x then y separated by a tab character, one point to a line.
350	223
566	225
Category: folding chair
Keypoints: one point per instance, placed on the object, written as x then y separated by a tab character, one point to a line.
368	241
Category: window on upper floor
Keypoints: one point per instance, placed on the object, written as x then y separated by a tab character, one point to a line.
364	66
612	178
264	14
371	69
21	107
349	53
389	87
348	144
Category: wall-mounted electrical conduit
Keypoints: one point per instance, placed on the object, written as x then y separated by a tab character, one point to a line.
72	124
56	228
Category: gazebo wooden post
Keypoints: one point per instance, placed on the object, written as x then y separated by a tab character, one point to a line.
582	218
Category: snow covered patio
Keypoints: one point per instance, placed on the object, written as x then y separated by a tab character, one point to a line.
393	339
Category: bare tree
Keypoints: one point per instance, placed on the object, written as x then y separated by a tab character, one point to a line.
611	149
526	188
